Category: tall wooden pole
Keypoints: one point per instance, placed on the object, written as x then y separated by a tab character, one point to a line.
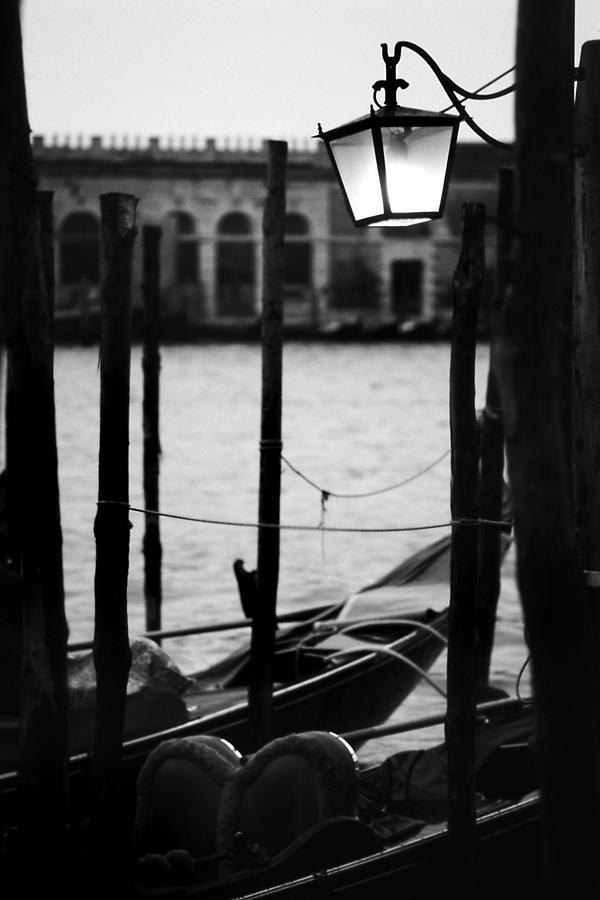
45	201
586	329
492	451
112	654
151	235
587	306
264	624
464	504
535	378
43	698
32	473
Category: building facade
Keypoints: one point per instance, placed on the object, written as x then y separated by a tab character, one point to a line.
208	201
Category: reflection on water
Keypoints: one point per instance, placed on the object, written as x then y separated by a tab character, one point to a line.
356	418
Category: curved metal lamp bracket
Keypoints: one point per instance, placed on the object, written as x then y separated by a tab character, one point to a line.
452	89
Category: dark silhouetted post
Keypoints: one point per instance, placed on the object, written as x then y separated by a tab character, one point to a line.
586	327
112	654
492	451
46	218
586	318
464	504
267	573
151	235
32	473
535	372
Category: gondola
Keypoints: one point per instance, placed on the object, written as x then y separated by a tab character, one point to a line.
344	666
377	831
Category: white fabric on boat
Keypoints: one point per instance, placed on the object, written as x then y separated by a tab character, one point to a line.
393	600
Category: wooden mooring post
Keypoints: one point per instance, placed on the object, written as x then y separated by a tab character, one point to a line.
43	742
45	202
32	474
535	376
464	505
264	624
151	237
112	654
586	339
491	494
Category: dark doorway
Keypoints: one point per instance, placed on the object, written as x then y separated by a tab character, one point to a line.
80	249
236	266
186	249
407	288
297	254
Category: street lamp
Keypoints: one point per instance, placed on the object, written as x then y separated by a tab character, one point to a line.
394	164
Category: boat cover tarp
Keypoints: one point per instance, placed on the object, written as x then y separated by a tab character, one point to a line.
415	782
153	701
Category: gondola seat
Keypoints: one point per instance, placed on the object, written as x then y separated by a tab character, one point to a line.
178	795
290	785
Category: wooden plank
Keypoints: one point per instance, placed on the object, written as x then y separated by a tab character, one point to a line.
299	615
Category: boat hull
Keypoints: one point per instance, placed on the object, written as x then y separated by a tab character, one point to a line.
357	694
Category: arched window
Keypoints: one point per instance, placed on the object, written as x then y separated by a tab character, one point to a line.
236	266
355	283
298	256
184	223
80	249
186	249
235	223
296	224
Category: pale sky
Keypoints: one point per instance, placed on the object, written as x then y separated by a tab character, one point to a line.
257	68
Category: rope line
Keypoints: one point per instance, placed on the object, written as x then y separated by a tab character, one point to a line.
329	628
203	521
386	648
520	676
366	646
326	494
482	88
494	80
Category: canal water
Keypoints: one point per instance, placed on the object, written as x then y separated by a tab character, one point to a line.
357	419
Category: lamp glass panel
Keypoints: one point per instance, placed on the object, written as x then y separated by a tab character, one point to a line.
415	165
354	155
398	223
